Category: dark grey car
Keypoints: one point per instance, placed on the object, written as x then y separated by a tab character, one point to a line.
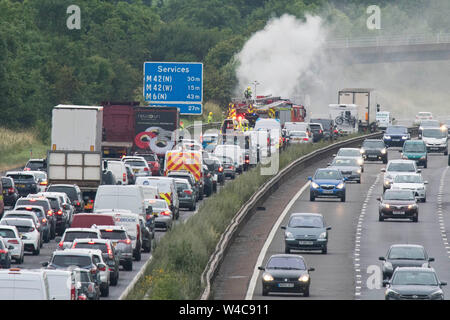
404	255
349	168
410	283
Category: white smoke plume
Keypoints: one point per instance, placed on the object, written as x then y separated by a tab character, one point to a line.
280	56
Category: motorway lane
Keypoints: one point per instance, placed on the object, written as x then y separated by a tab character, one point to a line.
333	277
376	237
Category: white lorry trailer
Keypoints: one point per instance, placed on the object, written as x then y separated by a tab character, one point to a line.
365	100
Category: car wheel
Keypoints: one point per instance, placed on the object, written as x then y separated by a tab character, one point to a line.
343	198
425	164
359	181
37	251
104	291
47	238
114	280
311	197
128	266
192	207
233	176
380	218
147	248
325	250
446	152
265	292
415	219
137	255
306	293
424	199
287	250
385	160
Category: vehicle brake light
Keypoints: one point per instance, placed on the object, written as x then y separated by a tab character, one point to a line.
91	201
61	244
124	177
91	242
78	203
11	190
165	213
247	161
32	229
94	270
147	217
32	200
49	213
189	192
43	183
127	241
146	169
59	212
44	220
28	208
2	251
72	292
102	268
220	169
305	139
82	297
14	241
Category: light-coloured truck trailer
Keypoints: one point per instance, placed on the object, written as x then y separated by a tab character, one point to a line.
365	99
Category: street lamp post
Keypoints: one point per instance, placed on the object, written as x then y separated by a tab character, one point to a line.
255	83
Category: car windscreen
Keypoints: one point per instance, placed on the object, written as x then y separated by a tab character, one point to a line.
398	195
158	204
69	260
2	246
373	144
40	175
407	253
22	177
429	123
18	215
148	157
286	263
396	130
434	133
7	233
305	222
70	191
22	228
401	167
408	179
72	235
419	278
100	246
349	153
181	186
345	162
114	234
414	147
136	163
328	175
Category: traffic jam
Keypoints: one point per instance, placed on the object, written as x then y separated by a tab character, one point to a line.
80	224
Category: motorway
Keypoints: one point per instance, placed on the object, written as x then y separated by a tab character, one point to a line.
356	240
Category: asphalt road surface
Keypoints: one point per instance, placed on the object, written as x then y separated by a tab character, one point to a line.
356	240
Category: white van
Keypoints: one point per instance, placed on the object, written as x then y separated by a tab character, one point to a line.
232	151
61	284
149	192
120	197
167	190
274	127
119	171
19	284
130	221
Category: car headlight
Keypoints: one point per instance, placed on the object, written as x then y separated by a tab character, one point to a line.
288	235
323	235
360	162
358	171
340	185
383	151
387	182
267	277
304	278
405	137
437	296
362	150
387	206
420	128
387	137
314	185
391	294
412	206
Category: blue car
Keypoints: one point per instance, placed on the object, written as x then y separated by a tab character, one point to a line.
327	183
395	136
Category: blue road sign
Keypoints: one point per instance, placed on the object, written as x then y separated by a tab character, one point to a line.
185	108
167	83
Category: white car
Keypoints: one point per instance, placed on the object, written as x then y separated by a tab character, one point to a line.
139	165
76	233
31	237
395	167
413	182
299	137
119	171
423	116
25	214
11	236
436	139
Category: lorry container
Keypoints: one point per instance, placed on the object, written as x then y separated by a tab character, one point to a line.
118	128
345	117
156	129
77	128
365	100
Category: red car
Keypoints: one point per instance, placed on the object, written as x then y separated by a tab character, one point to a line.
153	162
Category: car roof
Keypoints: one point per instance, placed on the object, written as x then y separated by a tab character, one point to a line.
357	149
282	255
71	251
27	173
180	180
107	211
28	206
431	270
401	161
80	229
25	212
23	221
101	227
297	214
5	226
407	245
378	140
91	240
63	185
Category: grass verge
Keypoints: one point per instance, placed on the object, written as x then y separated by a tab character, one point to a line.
181	256
16	147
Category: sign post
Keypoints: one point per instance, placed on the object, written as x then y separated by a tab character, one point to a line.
175	84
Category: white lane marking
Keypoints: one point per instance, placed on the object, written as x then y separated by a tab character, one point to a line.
262	254
358	238
440	204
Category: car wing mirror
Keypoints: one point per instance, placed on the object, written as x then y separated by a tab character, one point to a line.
430	259
443	283
311	269
261	268
386	282
44	264
10	247
382	258
309	178
419	170
379	198
400	151
328	228
383	170
283	227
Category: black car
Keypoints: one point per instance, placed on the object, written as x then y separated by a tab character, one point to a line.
88	285
404	255
409	283
72	191
130	175
317	131
62	218
398	204
395	136
45	204
286	273
213	168
108	254
5	255
183	174
328	126
186	195
10	192
36	165
25	182
374	150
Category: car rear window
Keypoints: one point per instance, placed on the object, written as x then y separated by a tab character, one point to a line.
54	203
135	163
70	260
35	165
182	186
22	177
7	183
6	233
100	246
41	203
25	228
72	235
70	191
114	235
148	157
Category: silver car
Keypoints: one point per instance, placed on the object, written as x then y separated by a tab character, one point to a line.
121	242
395	167
165	216
349	168
413	182
351	153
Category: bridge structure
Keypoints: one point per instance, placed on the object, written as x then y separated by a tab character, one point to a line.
396	48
